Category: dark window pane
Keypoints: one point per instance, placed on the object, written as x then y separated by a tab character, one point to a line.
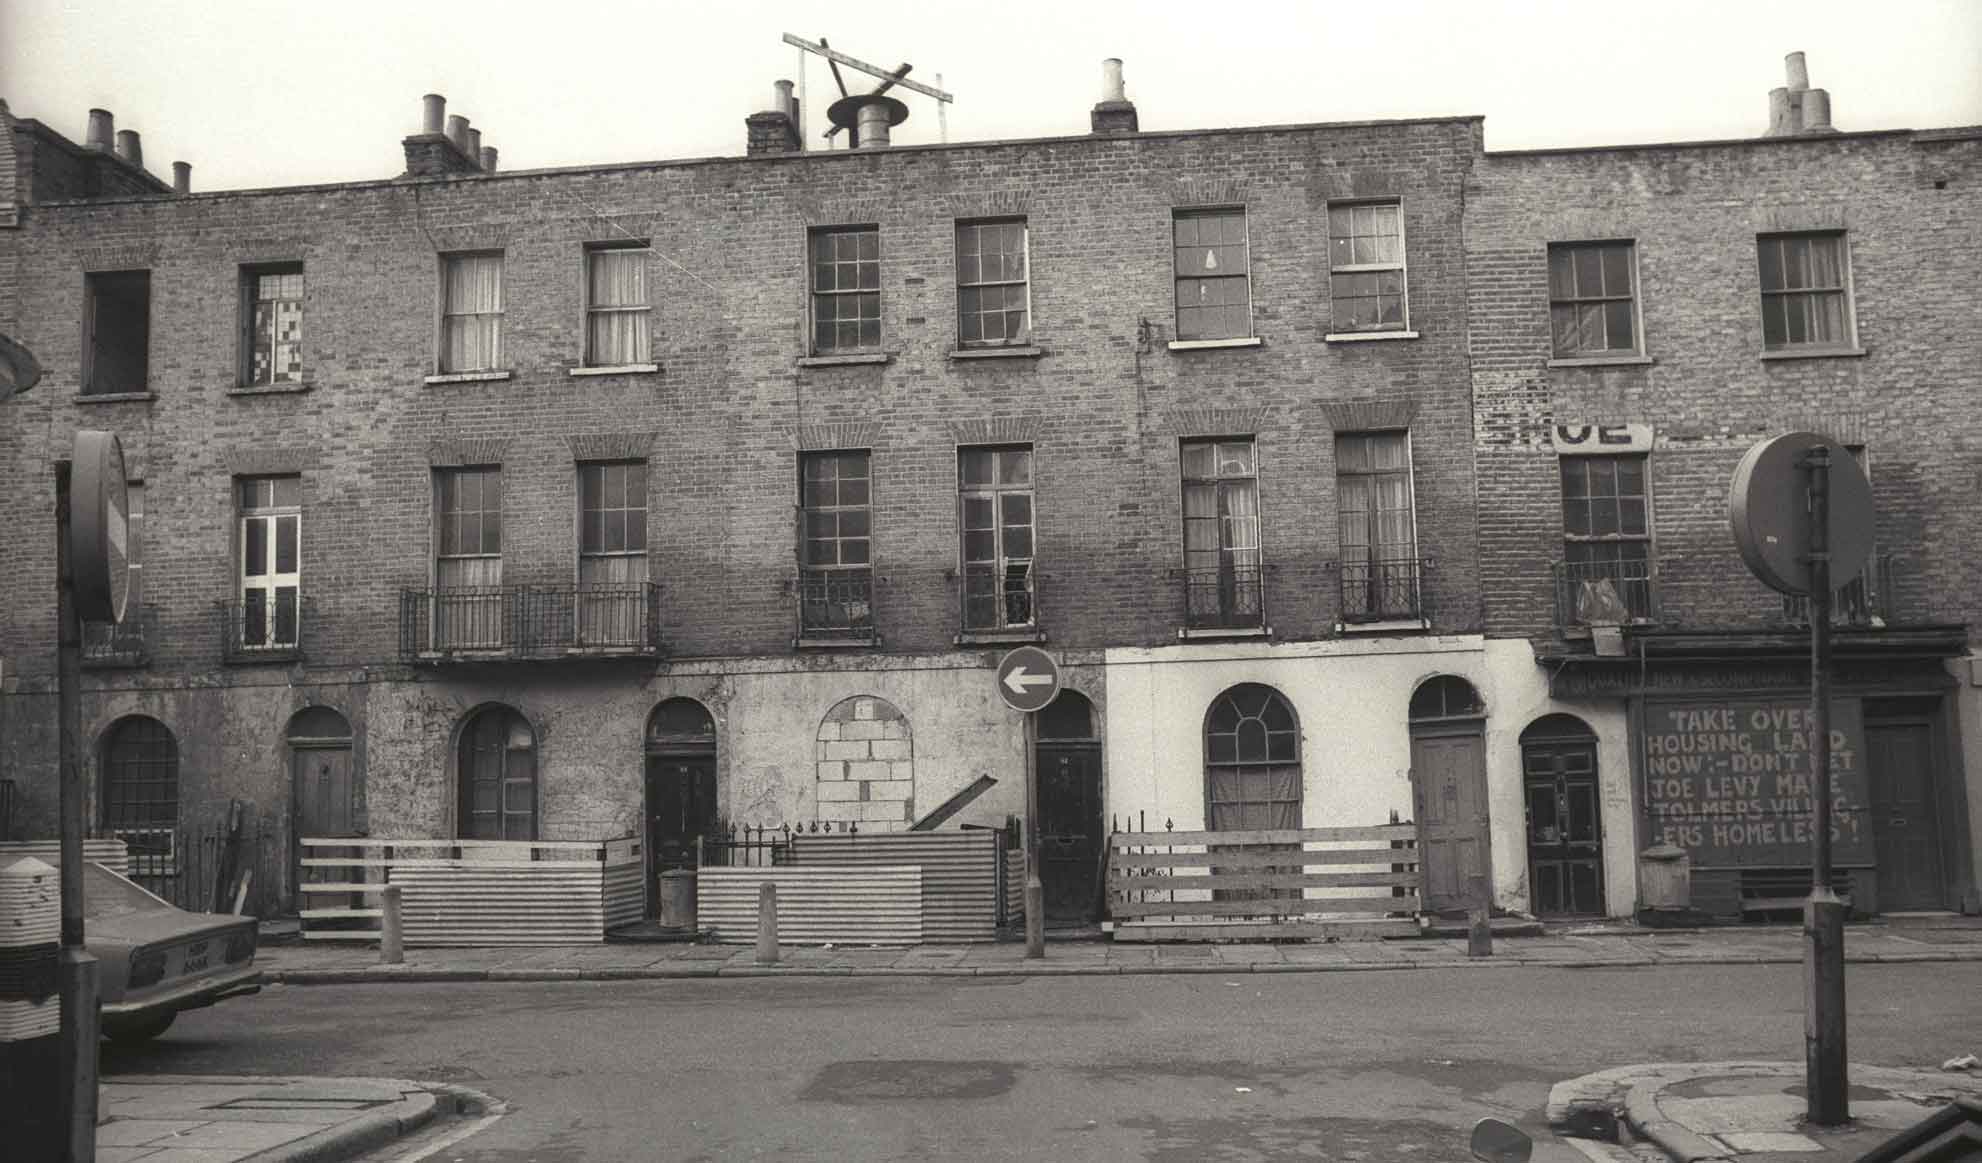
1589	271
1617	316
1771	256
1617	270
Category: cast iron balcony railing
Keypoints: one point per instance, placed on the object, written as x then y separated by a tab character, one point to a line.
836	603
1866	602
1605	592
993	602
1385	589
264	627
121	644
1229	597
531	621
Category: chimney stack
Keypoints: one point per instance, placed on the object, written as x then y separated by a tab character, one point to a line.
129	148
1115	113
1796	108
182	178
446	143
774	130
488	159
101	130
433	113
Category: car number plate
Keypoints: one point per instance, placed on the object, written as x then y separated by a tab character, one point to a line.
194	957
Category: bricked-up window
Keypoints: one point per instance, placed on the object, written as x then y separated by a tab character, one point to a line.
616	308
272	315
471	312
1379	537
612	553
468	558
995	518
1806	297
141	783
836	572
1214	280
1366	267
992	295
117	351
1221	534
1607	534
1592	299
846	289
271	575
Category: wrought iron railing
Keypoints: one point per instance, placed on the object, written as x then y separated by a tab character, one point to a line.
1230	597
531	621
994	601
1605	592
1384	589
1866	602
267	628
207	867
126	643
836	603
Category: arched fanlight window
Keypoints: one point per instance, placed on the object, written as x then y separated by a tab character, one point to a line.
1446	696
681	725
1068	716
1252	761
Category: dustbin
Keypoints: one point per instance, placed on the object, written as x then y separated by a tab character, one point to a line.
1665	879
677	893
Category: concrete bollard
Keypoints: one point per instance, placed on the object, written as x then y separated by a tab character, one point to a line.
392	936
1479	931
31	1100
767	924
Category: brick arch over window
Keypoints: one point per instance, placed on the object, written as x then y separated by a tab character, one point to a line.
140	765
865	759
1252	761
496	767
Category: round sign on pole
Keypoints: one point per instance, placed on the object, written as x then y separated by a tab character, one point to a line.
1769	511
99	527
1028	678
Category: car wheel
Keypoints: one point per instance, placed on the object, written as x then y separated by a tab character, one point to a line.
137	1029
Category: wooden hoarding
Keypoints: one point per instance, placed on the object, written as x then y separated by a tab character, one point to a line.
1730	781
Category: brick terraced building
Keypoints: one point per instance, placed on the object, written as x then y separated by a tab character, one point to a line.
570	504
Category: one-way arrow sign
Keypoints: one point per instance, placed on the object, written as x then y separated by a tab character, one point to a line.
1028	678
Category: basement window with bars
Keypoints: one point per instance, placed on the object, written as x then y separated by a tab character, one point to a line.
272	321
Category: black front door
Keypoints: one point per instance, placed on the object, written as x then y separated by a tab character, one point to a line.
1070	834
1565	829
681	807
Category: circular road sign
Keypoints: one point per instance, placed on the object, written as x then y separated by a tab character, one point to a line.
99	527
1028	678
1769	511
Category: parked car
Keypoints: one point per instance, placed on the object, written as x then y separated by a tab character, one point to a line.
155	960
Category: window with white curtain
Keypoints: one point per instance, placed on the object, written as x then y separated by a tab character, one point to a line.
616	307
471	312
1366	267
1806	295
1221	534
1379	536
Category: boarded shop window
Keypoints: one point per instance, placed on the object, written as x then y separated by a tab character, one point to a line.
995	520
272	318
616	307
992	295
1214	274
471	312
846	289
118	313
1592	299
1366	267
1806	297
1607	536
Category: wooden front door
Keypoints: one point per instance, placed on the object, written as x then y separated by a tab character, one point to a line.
324	806
1905	832
1565	828
1448	773
681	806
1070	836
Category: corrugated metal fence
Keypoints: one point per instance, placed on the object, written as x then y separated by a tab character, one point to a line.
960	873
882	905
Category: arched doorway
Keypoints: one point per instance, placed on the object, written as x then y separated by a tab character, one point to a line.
1252	774
680	783
497	764
323	792
1448	787
140	791
1067	758
1565	817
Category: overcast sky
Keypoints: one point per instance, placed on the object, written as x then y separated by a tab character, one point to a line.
265	93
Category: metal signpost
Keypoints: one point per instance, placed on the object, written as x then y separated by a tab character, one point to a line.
1028	679
1801	513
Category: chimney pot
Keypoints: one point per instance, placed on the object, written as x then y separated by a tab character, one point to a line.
457	131
474	145
1114	113
1799	75
781	98
1781	113
130	148
1111	80
1817	111
873	125
433	113
182	177
488	159
101	130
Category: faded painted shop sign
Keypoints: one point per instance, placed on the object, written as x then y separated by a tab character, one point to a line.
1732	782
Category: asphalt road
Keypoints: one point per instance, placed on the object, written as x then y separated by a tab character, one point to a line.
1346	1066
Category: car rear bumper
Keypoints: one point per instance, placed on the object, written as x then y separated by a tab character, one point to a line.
190	996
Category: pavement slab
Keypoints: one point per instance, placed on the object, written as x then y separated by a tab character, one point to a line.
163	1119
